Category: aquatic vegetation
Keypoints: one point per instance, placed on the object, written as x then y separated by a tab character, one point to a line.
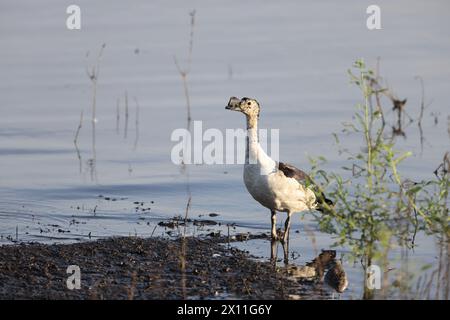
376	207
435	201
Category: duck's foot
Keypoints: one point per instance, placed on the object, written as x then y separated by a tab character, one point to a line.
280	235
277	235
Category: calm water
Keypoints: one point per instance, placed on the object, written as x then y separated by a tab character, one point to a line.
292	57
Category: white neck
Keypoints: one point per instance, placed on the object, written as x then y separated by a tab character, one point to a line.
254	153
252	149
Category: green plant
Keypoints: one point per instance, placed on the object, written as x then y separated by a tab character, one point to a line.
375	206
435	200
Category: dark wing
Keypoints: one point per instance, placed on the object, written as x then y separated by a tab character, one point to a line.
292	172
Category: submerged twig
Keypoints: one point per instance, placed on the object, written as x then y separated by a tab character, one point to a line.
136	125
183	250
183	75
422	109
75	141
93	76
184	72
118	115
125	133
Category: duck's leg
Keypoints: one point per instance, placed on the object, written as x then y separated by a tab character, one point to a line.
273	251
285	252
285	240
274	224
287	227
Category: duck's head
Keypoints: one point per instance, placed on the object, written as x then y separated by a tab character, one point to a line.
248	106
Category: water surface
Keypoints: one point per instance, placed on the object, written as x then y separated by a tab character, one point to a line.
291	56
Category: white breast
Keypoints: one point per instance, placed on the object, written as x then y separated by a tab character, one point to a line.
271	188
258	185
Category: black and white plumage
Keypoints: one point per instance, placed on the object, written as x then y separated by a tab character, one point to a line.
277	186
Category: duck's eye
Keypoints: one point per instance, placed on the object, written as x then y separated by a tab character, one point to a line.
249	103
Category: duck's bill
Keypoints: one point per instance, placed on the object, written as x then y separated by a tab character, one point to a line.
233	104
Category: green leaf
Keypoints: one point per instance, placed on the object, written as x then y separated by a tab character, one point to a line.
403	157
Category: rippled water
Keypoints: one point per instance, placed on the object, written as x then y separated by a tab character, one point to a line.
292	57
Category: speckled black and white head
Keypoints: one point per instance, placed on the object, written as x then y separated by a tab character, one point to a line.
249	107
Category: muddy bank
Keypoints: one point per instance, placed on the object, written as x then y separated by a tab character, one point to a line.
136	268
